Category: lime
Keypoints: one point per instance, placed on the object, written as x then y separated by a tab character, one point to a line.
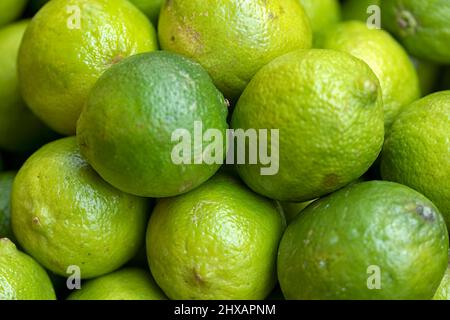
6	182
151	8
22	278
20	130
366	241
428	73
422	26
64	214
417	151
233	39
292	209
322	13
358	9
328	109
68	45
10	10
388	60
129	129
443	292
218	241
125	284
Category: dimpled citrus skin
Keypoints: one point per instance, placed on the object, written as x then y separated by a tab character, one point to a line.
10	10
327	251
6	182
218	241
322	13
233	39
67	58
388	60
64	214
417	151
327	106
126	129
150	7
22	278
422	26
20	129
125	284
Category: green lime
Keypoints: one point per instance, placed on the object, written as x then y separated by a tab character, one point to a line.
125	284
428	73
328	109
151	8
292	209
139	113
6	182
22	278
218	241
68	45
233	39
388	60
443	292
359	9
366	241
417	151
322	13
11	10
422	26
20	130
64	214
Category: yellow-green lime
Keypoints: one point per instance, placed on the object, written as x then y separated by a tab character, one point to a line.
233	39
6	182
366	241
388	60
21	277
417	151
218	241
422	27
443	292
138	129
11	10
64	214
327	106
323	14
125	284
68	45
20	129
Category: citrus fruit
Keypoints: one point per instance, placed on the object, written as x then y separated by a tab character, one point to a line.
68	45
428	73
6	181
22	278
358	9
388	60
125	284
366	241
233	39
64	214
322	13
328	109
20	130
10	10
151	8
218	241
422	26
443	292
129	129
417	151
292	209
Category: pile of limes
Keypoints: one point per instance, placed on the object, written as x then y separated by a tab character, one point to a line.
211	149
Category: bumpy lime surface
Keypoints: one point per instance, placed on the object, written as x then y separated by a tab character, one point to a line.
218	241
130	128
22	278
328	108
64	214
150	7
422	26
68	45
233	39
20	130
125	284
6	182
417	151
322	13
366	241
359	9
11	10
390	62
